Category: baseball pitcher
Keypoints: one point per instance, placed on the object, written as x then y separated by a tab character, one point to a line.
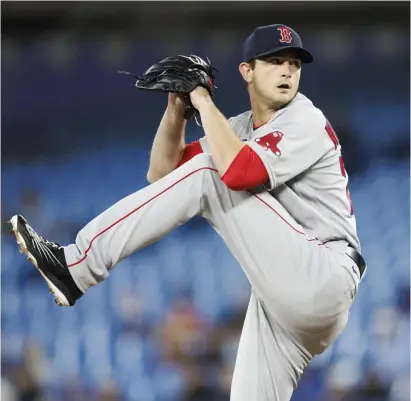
271	182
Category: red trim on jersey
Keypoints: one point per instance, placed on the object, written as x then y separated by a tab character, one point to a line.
283	219
259	126
163	192
135	210
190	150
246	171
331	133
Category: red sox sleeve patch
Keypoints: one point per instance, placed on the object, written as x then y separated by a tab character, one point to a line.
270	142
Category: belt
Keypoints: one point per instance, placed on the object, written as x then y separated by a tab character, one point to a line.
357	258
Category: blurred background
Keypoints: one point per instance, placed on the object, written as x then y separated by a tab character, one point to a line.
76	137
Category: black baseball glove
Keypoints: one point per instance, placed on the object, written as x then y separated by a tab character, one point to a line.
178	74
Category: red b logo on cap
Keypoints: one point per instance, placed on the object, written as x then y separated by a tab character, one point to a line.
285	34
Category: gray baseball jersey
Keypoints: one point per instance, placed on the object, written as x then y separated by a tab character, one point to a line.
302	287
303	158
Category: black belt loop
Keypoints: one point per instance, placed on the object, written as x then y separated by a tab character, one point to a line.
357	258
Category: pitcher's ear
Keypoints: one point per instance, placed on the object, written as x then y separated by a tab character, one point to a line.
246	71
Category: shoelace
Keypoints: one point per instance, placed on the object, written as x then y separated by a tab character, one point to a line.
43	247
50	243
40	239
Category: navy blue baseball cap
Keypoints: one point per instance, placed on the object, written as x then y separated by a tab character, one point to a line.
272	39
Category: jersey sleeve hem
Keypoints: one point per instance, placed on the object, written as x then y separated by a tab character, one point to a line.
272	182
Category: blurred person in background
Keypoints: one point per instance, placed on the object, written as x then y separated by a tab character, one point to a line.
189	341
109	392
184	333
24	380
8	390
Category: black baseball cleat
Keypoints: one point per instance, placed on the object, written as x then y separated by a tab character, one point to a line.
49	259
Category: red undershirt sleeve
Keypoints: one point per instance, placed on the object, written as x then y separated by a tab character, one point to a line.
245	171
190	150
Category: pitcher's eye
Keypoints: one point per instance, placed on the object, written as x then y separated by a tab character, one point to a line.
273	60
296	63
